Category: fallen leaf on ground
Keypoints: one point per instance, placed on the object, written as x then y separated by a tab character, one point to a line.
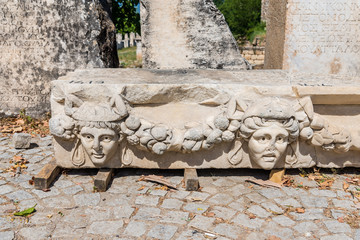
141	188
46	190
272	237
196	199
49	216
252	216
157	179
26	211
346	186
209	214
263	183
300	210
340	219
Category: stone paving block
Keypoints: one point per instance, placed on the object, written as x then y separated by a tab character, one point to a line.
113	200
221	199
245	221
2	200
257	236
35	159
136	229
14	151
199	196
8	235
273	229
272	193
31	151
239	204
191	234
123	212
283	221
322	193
42	194
228	231
64	231
288	202
73	190
306	227
172	203
147	200
19	195
41	217
6	189
61	183
176	217
6	156
58	202
25	204
259	211
203	223
99	213
180	194
238	190
161	231
335	226
148	214
314	202
87	199
337	213
196	207
310	214
75	218
6	224
106	227
337	237
176	180
342	194
343	204
273	208
294	191
256	197
222	212
2	182
223	182
210	190
35	233
161	193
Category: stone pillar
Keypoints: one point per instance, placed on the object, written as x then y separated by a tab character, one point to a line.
314	36
264	9
42	40
132	39
187	34
138	49
126	40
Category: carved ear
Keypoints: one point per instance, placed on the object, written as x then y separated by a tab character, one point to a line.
78	155
236	153
119	106
291	157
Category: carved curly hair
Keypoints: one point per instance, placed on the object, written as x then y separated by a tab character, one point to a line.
251	124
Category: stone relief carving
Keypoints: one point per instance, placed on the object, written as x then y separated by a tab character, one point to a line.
269	128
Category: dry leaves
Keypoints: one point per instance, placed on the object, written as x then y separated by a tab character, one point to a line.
263	183
300	210
157	179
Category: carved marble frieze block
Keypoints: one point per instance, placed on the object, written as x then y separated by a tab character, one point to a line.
204	119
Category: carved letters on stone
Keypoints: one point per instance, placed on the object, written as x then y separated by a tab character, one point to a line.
266	131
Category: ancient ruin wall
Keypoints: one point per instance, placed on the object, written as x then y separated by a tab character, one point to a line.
41	40
187	34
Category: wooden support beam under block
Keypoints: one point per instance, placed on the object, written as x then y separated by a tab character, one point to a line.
102	179
46	176
191	179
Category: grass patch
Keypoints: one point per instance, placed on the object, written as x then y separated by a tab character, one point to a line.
127	58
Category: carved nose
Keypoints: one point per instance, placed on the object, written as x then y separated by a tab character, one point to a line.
96	145
271	146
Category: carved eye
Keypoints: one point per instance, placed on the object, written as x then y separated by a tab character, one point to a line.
88	137
106	138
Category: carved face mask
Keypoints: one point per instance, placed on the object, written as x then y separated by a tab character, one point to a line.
267	145
99	143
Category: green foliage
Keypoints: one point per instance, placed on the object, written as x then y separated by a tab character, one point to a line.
125	17
258	31
242	16
127	58
218	3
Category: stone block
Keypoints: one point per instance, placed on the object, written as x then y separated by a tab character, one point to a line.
186	42
169	119
21	140
313	36
52	38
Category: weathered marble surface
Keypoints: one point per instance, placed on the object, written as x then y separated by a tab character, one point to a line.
187	34
314	36
41	40
205	119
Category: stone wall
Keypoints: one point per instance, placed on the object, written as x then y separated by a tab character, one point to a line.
255	55
187	34
314	36
41	40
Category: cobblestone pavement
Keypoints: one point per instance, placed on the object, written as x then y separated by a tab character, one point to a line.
227	207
